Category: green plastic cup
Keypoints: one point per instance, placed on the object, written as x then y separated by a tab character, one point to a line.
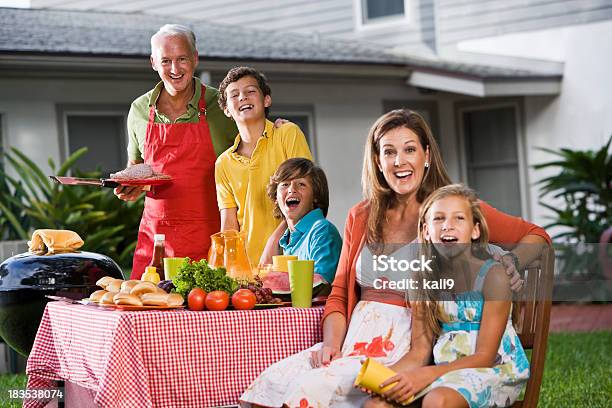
300	280
172	266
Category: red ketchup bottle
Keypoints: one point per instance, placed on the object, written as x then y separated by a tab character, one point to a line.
159	253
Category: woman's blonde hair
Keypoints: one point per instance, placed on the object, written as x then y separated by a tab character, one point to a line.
376	190
430	310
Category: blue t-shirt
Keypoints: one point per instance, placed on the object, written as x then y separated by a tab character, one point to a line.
315	238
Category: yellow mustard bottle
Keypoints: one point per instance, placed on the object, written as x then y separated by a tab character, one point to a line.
150	275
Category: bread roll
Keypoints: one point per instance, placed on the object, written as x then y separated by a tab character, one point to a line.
97	295
104	281
128	285
107	299
123	298
155	299
175	299
142	288
114	285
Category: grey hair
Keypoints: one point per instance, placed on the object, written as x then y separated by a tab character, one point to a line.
172	30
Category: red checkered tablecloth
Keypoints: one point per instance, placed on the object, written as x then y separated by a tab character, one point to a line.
174	358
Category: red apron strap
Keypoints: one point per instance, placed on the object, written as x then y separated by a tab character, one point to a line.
202	105
152	114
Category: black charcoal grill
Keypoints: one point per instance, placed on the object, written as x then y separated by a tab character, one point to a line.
26	279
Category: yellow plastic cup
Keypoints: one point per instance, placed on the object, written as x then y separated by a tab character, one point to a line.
372	374
280	262
172	266
300	281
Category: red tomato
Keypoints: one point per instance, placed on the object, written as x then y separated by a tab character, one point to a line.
196	299
244	299
217	300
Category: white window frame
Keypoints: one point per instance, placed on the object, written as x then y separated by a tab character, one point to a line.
522	164
390	21
64	111
302	110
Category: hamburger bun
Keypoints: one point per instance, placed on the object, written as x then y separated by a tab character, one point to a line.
123	298
104	281
144	287
97	295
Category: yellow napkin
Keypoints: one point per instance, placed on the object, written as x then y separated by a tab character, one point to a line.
48	241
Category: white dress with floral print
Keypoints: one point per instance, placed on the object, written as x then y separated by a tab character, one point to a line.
498	386
377	330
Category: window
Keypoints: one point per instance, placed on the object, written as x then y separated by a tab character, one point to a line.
1	146
102	131
303	116
376	9
490	142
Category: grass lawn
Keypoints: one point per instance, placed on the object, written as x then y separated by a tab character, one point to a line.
578	372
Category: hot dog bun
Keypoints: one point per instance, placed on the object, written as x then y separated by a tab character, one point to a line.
123	298
114	285
107	299
97	295
142	288
127	286
104	281
155	299
175	299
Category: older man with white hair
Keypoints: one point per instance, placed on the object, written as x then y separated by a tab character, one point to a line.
178	129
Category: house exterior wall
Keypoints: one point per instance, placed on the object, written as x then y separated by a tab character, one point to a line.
579	118
458	20
344	110
335	18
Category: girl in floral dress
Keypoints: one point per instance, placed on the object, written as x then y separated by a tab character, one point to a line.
471	370
402	166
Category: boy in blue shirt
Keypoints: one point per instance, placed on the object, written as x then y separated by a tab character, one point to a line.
300	194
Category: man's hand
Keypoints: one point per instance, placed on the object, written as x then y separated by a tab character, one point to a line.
516	283
324	356
128	193
280	122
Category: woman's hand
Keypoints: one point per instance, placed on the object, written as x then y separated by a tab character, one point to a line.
516	283
408	383
324	356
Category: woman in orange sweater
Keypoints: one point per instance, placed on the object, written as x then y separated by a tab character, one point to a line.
402	166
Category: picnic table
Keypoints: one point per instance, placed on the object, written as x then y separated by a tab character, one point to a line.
163	358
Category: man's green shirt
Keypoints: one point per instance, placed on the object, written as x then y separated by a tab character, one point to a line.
223	130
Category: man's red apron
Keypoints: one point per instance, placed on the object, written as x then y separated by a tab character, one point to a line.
185	210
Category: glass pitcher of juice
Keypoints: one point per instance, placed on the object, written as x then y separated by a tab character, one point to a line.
217	249
235	257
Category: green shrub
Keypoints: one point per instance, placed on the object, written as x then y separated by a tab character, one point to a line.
106	224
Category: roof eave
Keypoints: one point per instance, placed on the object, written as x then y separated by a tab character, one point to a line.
84	63
486	86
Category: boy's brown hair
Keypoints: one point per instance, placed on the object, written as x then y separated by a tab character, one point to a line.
299	167
237	73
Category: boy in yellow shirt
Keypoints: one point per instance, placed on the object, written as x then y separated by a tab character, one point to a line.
243	171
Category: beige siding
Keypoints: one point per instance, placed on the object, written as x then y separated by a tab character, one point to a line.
335	18
461	20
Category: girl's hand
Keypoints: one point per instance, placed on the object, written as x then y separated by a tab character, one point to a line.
324	356
408	383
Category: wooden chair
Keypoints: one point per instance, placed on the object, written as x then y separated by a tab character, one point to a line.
532	319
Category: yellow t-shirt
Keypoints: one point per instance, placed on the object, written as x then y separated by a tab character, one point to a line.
241	182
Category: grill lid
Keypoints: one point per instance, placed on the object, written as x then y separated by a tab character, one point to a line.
67	270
